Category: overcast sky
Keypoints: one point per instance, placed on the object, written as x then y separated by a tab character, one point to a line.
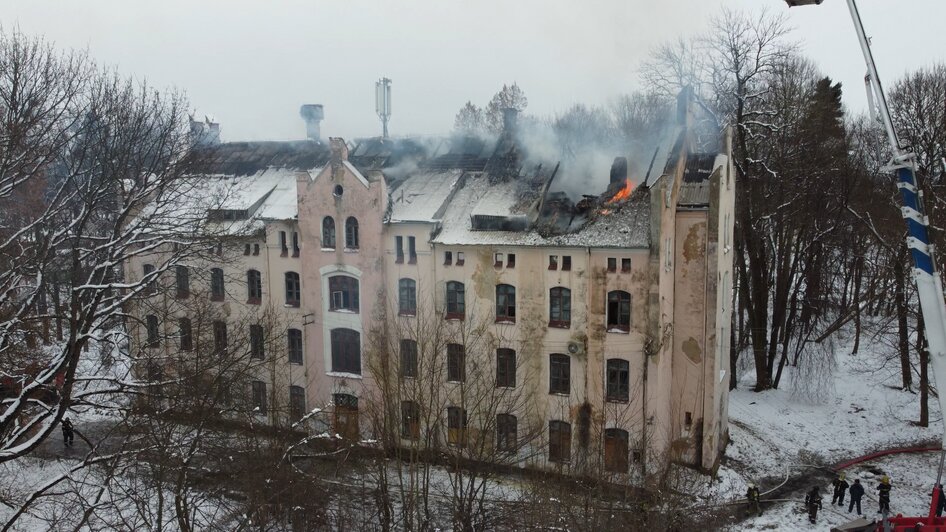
252	63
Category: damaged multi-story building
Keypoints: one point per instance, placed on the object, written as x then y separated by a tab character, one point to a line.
604	319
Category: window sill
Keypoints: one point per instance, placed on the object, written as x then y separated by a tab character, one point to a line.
344	310
216	299
506	386
448	264
616	400
295	254
351	250
328	249
399	260
566	269
510	321
455	316
615	329
407	313
181	295
292	304
560	324
559	394
284	254
295	362
254	301
461	262
412	261
344	375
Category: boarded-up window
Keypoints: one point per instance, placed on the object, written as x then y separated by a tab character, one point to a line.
346	416
560	441
615	450
456	426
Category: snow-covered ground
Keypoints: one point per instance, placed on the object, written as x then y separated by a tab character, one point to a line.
831	413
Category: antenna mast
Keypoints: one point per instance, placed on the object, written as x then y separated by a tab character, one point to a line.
382	103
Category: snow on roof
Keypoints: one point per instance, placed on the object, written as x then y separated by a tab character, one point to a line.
625	225
422	196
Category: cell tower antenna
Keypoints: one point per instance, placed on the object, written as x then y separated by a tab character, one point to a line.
382	103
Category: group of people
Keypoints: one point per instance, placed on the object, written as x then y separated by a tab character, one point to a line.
813	500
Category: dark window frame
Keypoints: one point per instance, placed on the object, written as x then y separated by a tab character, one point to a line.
283	245
295	347
151	287
406	297
186	334
510	260
553	262
619	311
152	331
617	380
457	426
349	289
455	300
560	307
295	244
560	441
399	249
505	303
217	292
507	437
293	289
408	355
447	258
351	233
560	374
566	263
505	368
411	250
410	420
456	363
221	341
254	287
182	281
259	396
625	265
612	264
616	450
346	350
297	408
328	232
257	342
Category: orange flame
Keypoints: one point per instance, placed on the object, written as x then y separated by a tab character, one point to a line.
624	193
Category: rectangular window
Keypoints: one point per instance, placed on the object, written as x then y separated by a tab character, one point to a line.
256	249
346	351
497	260
407	297
559	374
612	264
152	287
618	380
344	293
560	307
688	419
283	246
182	278
246	249
216	284
553	262
505	303
256	342
294	341
408	358
254	287
566	263
293	289
615	450
410	420
560	442
625	265
456	363
220	337
295	244
447	258
507	439
456	301
259	397
505	368
187	337
619	311
510	260
151	326
460	259
456	426
399	249
296	403
411	250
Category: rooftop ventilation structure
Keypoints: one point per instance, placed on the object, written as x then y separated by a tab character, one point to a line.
312	114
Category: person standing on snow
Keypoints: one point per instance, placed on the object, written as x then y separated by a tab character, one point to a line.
813	503
67	432
840	488
857	491
883	495
752	495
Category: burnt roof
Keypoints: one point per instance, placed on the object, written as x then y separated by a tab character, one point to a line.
248	158
699	167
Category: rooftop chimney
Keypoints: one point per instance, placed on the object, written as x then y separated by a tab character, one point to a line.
312	114
510	117
204	132
339	150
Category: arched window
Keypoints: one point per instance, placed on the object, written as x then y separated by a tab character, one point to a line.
505	303
294	345
328	232
619	311
351	233
456	300
407	297
560	307
615	450
293	289
560	442
254	287
346	351
343	291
